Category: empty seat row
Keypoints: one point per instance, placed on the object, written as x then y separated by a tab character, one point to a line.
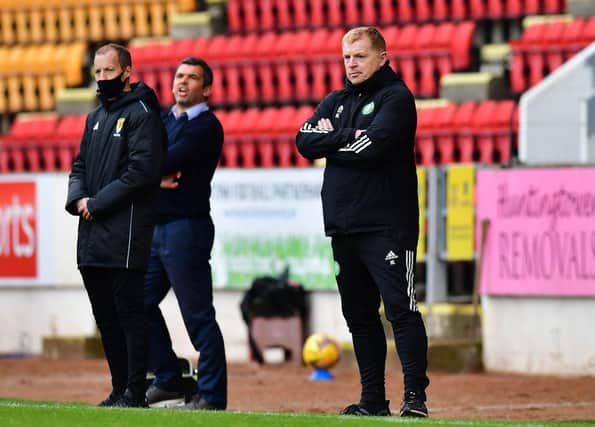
84	20
484	132
31	75
303	65
264	138
253	138
264	15
41	142
543	47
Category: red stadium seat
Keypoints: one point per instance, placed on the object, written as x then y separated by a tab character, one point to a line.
352	14
426	62
532	44
514	8
531	7
25	138
552	47
495	9
166	79
284	92
250	15
4	157
246	138
334	17
319	88
233	86
337	75
263	128
234	21
423	11
284	21
267	20
483	121
441	47
440	10
405	55
69	133
424	143
404	11
301	115
572	37
300	15
459	10
317	19
230	122
461	43
505	129
217	48
477	9
284	139
553	6
391	35
444	135
368	13
386	12
218	87
462	122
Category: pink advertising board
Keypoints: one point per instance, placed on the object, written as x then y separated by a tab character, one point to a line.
541	234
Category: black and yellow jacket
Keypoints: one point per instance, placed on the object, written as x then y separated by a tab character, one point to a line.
119	167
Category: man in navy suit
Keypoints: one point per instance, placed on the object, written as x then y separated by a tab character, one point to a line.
182	243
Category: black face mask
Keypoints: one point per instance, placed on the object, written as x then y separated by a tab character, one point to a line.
107	90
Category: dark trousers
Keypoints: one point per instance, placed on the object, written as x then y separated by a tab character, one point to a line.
373	266
116	297
179	259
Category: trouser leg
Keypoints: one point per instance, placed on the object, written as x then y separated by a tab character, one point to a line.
188	268
97	282
360	302
162	360
392	268
128	296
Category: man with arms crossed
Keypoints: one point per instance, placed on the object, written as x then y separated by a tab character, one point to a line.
366	132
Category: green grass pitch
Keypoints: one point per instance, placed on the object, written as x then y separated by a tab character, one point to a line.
21	413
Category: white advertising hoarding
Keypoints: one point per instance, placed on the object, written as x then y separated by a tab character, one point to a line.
265	220
37	236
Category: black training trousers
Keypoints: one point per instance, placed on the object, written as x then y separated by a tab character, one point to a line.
117	301
370	266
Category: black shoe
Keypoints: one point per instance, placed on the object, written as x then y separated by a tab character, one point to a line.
362	410
158	397
127	400
201	404
413	405
111	399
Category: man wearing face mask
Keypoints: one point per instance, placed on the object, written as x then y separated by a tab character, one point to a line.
113	188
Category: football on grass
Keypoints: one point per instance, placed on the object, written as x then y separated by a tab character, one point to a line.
321	351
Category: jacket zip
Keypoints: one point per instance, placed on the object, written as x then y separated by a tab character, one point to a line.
129	234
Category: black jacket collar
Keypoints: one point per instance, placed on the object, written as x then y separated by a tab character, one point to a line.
378	80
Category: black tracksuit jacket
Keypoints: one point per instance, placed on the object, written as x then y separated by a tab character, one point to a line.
370	184
119	167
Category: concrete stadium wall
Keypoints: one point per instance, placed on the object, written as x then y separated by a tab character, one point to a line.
27	314
539	335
